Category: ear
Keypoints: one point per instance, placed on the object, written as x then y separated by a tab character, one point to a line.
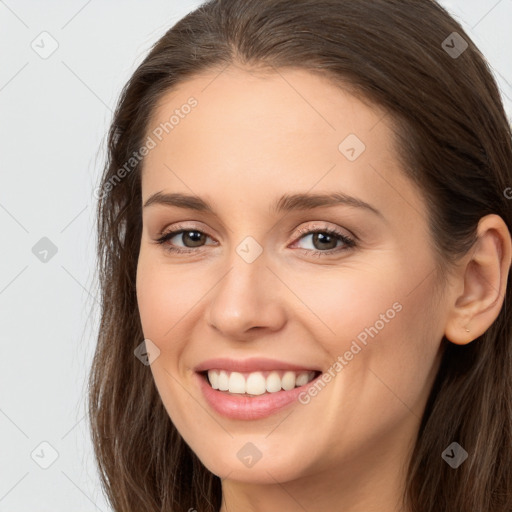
483	280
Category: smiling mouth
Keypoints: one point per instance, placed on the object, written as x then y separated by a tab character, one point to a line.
257	383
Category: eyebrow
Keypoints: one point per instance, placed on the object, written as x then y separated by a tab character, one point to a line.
286	203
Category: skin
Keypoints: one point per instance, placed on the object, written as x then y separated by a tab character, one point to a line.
252	138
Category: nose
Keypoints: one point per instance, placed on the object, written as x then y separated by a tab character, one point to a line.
249	299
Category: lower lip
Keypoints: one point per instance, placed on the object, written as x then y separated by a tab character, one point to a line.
241	407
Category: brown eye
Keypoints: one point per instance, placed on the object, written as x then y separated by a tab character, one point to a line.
186	240
324	241
196	238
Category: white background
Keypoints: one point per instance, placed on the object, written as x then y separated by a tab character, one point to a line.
54	116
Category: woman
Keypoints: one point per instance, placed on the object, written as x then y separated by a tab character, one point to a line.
304	254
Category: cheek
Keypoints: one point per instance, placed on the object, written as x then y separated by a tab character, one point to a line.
151	300
164	295
387	336
341	304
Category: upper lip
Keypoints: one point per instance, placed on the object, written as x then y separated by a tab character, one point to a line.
250	365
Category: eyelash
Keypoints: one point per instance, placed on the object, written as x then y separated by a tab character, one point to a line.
349	242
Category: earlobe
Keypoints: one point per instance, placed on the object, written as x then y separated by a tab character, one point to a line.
483	278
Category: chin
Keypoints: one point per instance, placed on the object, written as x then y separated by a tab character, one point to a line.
266	470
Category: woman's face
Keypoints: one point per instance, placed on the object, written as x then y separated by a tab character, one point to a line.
262	279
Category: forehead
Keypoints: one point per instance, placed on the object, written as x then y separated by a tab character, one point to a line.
286	131
263	106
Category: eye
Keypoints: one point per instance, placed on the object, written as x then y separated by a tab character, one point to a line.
324	240
192	238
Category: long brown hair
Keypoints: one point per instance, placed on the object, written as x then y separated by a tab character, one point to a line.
453	140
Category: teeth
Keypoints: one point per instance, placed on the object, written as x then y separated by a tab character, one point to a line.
214	379
301	379
258	383
255	384
223	381
273	383
288	381
236	383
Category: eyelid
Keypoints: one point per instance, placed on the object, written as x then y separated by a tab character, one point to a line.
174	228
325	227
